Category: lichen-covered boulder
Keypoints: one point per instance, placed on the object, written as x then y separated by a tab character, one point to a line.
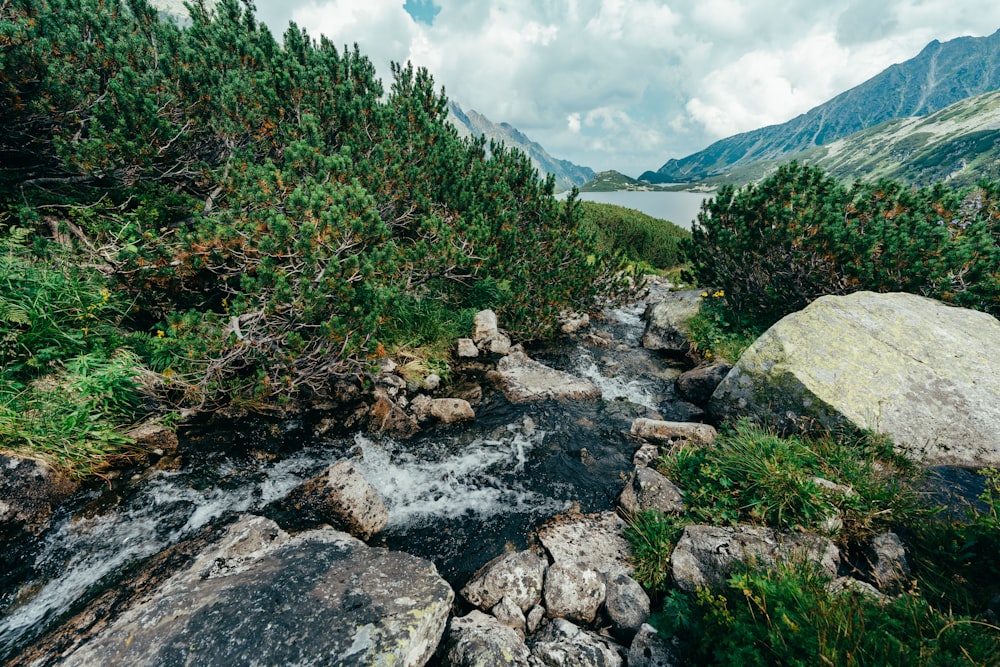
666	322
478	640
523	380
593	541
342	497
573	592
922	372
705	555
518	575
563	644
260	596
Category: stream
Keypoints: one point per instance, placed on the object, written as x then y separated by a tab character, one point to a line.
456	495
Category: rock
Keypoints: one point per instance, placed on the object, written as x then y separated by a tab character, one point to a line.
342	497
30	491
924	373
833	487
697	384
472	393
518	575
666	322
154	437
574	323
524	380
673	433
890	570
626	605
498	344
649	649
562	644
592	541
431	382
467	349
507	612
534	619
387	416
647	489
848	585
478	640
705	555
451	410
484	326
646	454
260	596
573	592
420	406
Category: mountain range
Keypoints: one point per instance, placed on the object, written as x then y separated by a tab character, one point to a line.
473	123
940	75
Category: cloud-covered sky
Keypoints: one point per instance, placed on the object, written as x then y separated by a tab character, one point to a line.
627	84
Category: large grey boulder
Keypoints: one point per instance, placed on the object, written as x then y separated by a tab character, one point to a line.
342	497
523	380
626	605
563	644
517	575
705	555
258	596
30	490
922	372
478	640
666	322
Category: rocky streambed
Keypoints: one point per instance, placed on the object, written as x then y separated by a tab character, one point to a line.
487	510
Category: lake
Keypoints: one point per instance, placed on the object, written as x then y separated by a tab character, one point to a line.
680	208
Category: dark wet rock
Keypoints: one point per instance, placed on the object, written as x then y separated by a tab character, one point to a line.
254	595
647	489
666	322
626	605
479	640
30	490
650	649
592	541
705	555
387	415
673	434
697	384
563	644
922	372
342	497
524	380
573	592
518	575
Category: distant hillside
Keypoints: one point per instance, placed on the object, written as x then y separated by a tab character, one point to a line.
610	181
939	75
473	123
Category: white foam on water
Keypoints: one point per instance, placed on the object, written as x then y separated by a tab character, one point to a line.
631	317
639	391
455	481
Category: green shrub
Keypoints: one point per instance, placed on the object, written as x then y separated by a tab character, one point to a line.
713	335
775	246
653	536
645	240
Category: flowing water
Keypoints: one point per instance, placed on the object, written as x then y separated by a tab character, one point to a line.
456	495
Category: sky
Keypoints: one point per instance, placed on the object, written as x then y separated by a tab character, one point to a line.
628	84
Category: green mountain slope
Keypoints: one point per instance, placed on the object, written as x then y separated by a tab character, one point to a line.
941	74
473	123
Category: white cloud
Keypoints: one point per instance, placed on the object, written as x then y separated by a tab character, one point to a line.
626	84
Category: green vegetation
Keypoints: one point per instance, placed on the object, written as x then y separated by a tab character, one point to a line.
774	247
789	615
649	243
248	219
